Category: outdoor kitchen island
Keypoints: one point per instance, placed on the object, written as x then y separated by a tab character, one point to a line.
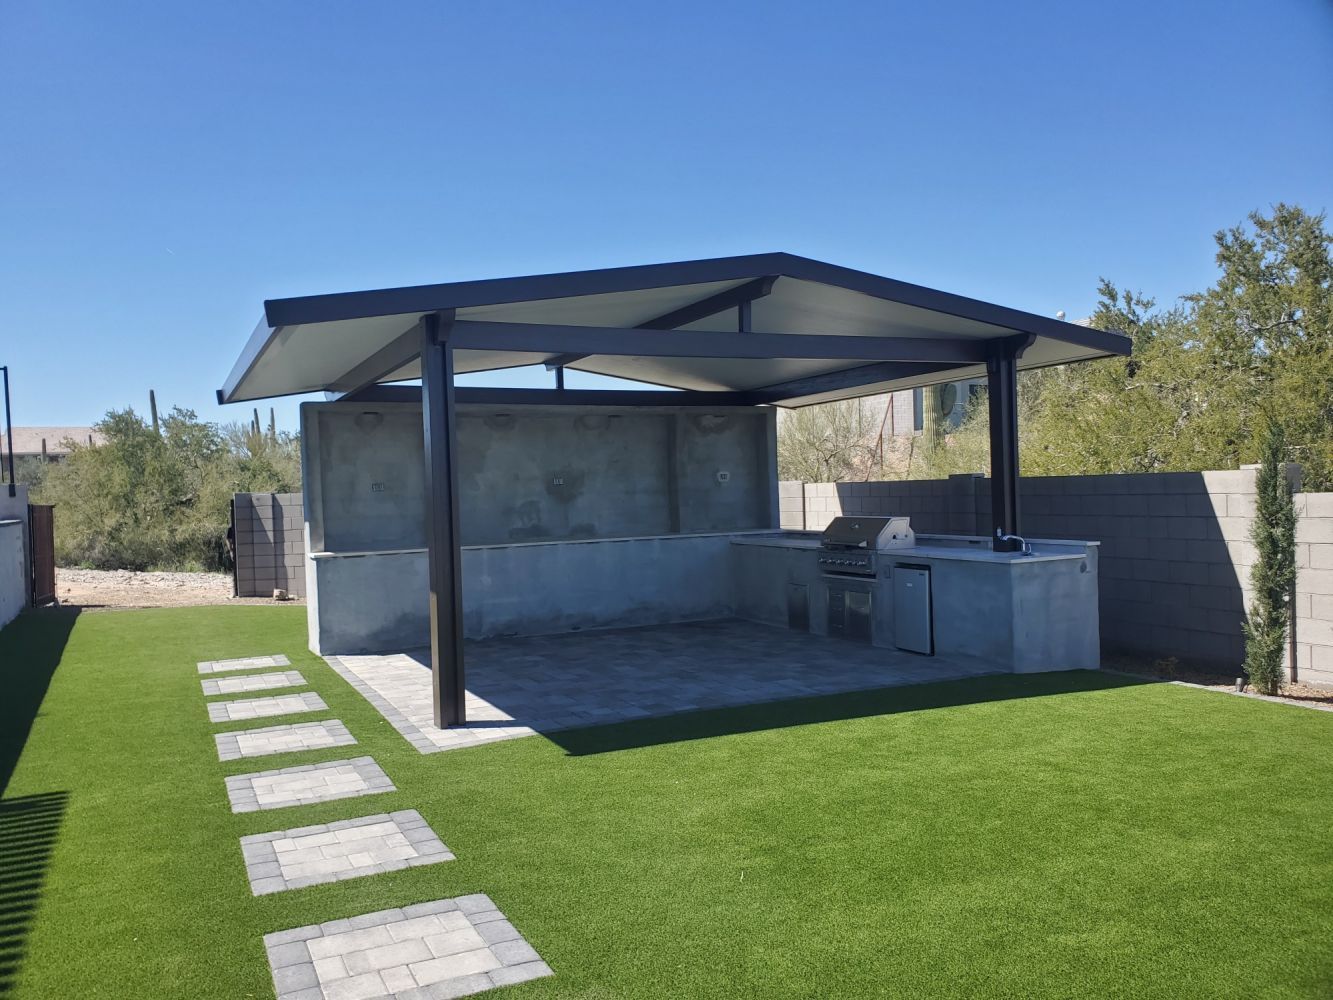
1023	613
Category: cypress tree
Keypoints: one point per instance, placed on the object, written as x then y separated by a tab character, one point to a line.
1274	570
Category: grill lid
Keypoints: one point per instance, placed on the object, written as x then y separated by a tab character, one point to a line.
868	533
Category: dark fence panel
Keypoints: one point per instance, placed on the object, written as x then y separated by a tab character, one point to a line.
42	540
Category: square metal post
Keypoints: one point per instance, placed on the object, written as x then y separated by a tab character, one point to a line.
442	540
1002	400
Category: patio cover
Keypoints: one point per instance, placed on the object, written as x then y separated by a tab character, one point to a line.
763	329
875	334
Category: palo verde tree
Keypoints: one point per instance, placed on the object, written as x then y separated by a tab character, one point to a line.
1274	572
159	499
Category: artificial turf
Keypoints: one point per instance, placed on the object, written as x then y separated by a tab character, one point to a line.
1055	835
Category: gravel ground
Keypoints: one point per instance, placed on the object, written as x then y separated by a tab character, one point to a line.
96	588
1306	695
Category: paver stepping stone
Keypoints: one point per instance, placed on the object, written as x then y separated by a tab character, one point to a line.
244	663
296	786
282	739
448	948
258	708
350	848
252	682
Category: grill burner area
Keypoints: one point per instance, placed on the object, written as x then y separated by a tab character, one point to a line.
848	545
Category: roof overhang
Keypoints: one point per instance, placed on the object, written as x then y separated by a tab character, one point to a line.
775	327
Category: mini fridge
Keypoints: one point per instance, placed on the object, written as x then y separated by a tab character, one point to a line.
912	625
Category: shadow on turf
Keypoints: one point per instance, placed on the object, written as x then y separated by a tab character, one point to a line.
832	708
30	650
29	826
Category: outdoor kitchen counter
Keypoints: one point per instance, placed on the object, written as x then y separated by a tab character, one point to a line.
1045	549
1024	613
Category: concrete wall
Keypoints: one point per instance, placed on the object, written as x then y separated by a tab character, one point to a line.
15	508
538	473
532	589
13	578
1175	555
537	486
270	544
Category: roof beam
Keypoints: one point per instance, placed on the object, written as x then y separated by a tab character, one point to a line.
732	298
387	360
493	396
851	378
711	306
536	338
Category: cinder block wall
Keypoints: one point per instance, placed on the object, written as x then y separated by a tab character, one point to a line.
1314	587
270	544
1175	557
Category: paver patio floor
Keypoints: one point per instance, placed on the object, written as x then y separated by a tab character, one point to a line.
519	686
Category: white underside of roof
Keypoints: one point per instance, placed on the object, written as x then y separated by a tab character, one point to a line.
316	357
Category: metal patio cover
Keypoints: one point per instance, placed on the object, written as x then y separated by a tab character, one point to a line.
765	328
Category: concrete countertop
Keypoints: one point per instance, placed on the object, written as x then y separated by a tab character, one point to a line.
810	540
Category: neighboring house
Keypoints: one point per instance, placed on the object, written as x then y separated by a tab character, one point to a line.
907	414
49	443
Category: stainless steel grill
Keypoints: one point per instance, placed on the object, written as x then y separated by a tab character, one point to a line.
849	544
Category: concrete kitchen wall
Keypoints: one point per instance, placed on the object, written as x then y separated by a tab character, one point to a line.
1175	556
531	589
543	492
538	473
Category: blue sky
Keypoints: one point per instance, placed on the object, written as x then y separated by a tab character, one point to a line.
165	168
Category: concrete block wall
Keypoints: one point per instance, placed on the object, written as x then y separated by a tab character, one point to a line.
270	544
946	507
1314	587
1175	551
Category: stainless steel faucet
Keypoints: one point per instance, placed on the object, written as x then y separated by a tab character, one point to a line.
1002	537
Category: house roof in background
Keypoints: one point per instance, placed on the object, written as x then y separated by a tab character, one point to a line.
28	440
343	341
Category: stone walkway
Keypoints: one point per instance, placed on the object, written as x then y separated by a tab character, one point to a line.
307	783
351	848
447	948
252	682
444	948
519	686
282	739
244	663
259	708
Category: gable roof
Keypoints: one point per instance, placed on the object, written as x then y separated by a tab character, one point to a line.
329	342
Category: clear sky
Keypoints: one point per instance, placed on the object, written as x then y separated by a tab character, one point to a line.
166	167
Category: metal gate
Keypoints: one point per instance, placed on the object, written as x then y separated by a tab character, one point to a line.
42	541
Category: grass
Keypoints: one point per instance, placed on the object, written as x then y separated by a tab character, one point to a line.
1060	835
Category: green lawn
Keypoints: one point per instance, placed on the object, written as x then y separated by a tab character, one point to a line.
1063	835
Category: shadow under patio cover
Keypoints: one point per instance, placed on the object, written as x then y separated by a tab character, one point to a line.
765	328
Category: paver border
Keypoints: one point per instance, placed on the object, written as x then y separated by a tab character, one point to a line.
264	870
229	746
293	966
405	726
241	788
